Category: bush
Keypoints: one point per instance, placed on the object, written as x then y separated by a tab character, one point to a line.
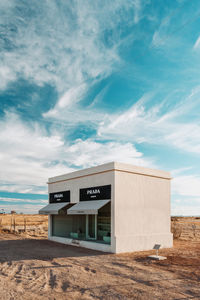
176	230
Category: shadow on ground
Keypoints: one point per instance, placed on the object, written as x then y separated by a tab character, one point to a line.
40	249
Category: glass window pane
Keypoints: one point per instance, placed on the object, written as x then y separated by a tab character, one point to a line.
91	226
104	224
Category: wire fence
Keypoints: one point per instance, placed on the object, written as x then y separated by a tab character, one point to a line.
34	224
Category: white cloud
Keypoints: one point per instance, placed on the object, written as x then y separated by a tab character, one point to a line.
29	155
30	141
89	153
156	125
32	201
167	34
197	43
186	185
178	171
99	97
137	11
6	76
69	99
70	53
25	208
61	44
185	193
70	46
185	137
185	210
161	37
22	187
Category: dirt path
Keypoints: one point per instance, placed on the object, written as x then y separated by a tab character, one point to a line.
40	269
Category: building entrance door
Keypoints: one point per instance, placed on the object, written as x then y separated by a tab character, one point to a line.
91	227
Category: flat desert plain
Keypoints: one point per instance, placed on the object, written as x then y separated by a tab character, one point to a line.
31	267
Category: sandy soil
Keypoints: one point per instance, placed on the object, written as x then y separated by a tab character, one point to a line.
40	269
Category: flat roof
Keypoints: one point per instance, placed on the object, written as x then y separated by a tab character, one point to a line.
109	167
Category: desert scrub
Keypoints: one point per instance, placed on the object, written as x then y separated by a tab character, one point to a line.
176	229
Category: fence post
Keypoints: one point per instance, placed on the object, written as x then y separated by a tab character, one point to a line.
11	223
24	224
14	224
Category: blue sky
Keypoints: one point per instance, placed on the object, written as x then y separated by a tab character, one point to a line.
87	82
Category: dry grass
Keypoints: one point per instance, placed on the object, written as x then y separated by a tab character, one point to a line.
29	225
186	228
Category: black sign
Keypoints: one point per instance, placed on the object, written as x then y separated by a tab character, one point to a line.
59	197
96	193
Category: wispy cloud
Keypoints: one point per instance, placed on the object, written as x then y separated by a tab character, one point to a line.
25	208
185	209
38	201
85	52
185	192
197	43
156	124
179	171
161	35
30	149
186	185
169	33
89	153
61	44
22	187
29	155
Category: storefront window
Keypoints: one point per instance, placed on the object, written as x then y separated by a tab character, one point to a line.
104	224
69	226
96	228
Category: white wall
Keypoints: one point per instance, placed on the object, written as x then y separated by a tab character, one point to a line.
142	212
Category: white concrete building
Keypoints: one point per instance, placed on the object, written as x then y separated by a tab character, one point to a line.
113	207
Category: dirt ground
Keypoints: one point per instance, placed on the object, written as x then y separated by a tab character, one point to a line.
33	268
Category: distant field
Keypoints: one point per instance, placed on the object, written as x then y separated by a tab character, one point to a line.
183	228
30	225
186	228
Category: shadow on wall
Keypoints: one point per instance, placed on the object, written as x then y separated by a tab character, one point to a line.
15	250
